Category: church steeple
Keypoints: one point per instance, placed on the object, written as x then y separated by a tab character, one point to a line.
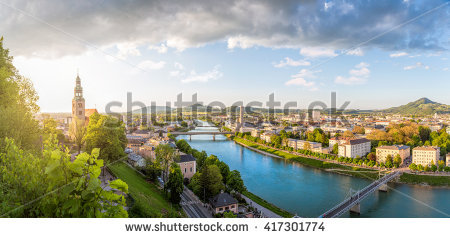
78	105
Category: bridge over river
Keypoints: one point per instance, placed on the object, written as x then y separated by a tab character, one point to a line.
213	133
353	202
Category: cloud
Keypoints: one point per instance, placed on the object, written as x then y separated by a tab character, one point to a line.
151	65
55	28
203	77
178	66
327	5
399	54
416	65
162	49
290	62
358	75
299	79
356	52
317	52
127	49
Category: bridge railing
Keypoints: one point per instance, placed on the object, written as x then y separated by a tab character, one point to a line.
373	186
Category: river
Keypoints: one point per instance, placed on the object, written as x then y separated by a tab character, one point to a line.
309	192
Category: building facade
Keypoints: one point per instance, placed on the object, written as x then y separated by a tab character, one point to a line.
393	150
187	165
353	147
224	202
426	155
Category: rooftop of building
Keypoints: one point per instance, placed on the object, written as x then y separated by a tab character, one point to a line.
89	112
427	148
393	147
223	199
186	158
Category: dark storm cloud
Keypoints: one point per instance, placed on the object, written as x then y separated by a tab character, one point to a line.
56	28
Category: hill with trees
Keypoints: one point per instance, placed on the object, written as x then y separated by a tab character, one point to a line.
423	106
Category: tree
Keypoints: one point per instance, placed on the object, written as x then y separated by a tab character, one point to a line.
165	155
433	167
389	160
335	149
413	167
348	134
372	156
107	134
207	183
152	170
175	183
441	165
358	130
224	170
18	104
276	140
235	182
78	132
424	133
184	124
420	167
397	160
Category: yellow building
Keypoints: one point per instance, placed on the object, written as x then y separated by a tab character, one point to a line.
393	150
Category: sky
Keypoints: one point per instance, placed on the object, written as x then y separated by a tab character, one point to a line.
374	54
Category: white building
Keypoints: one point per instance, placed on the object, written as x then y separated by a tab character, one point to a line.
426	155
351	147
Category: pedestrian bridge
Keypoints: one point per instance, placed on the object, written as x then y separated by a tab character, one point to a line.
353	202
213	133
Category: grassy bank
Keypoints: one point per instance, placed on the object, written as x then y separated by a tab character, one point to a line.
267	205
338	168
147	199
425	179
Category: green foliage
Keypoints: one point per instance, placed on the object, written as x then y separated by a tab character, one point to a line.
397	160
78	132
108	134
57	187
229	215
152	170
235	182
17	105
335	149
175	183
207	183
165	155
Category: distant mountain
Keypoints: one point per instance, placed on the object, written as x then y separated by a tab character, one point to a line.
423	106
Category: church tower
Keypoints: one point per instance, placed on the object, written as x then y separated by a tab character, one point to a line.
78	101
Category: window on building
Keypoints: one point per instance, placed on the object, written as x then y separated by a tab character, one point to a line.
184	170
